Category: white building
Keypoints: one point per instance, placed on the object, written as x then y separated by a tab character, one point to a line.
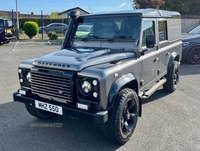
64	14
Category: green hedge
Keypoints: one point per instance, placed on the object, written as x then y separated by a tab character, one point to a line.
30	28
52	35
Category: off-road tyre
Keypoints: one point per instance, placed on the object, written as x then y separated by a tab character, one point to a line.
122	118
6	41
38	113
172	77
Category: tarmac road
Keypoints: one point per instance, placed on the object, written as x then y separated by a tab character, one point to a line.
170	122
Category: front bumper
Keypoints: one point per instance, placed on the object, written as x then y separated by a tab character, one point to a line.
99	117
9	37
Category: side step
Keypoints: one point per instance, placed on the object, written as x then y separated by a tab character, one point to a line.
148	93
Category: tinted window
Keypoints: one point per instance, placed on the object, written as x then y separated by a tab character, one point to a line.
10	24
148	29
162	29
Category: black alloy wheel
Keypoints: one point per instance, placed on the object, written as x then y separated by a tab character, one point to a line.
193	56
122	118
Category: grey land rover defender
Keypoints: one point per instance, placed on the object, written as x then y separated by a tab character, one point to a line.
109	63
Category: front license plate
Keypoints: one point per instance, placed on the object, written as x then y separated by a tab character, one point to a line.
49	107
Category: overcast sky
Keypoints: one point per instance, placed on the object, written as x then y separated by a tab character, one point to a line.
47	6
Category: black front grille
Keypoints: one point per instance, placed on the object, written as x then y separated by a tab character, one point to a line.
58	87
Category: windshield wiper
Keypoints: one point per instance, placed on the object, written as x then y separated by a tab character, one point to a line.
123	37
117	38
89	36
92	36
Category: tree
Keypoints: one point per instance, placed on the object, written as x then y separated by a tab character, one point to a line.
190	7
182	6
157	3
54	15
148	3
30	28
194	7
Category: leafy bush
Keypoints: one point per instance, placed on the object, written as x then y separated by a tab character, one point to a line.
52	35
17	32
30	28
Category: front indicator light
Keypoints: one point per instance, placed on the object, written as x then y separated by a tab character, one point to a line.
95	94
21	80
82	106
22	92
94	82
186	44
20	70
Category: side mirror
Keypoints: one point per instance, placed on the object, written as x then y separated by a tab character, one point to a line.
150	41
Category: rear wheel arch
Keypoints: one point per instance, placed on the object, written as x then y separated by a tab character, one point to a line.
172	78
174	57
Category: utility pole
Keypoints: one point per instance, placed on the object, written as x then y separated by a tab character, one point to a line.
17	15
42	24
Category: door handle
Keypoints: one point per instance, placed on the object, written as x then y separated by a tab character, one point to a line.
156	59
168	53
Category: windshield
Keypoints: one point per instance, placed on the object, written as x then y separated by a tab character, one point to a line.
10	24
196	30
119	27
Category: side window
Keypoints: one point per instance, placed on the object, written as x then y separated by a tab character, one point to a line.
162	30
148	29
10	24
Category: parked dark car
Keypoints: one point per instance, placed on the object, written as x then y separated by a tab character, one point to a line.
191	46
6	30
56	27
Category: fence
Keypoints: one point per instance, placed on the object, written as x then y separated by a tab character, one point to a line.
188	24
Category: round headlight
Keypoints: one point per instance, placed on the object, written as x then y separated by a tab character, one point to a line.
28	77
86	87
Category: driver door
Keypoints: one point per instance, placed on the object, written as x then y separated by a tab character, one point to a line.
150	58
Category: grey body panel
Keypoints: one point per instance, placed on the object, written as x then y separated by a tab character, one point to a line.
117	63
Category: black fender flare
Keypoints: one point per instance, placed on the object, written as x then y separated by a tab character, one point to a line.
117	85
